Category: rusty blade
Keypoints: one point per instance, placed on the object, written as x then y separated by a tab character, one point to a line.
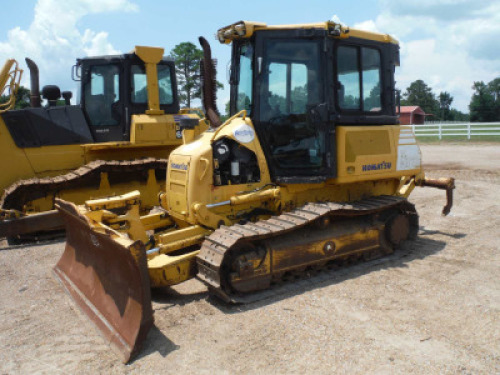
107	280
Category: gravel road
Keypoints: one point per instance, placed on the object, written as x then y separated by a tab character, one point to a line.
432	307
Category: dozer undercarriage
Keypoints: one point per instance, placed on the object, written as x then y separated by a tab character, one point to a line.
27	213
246	258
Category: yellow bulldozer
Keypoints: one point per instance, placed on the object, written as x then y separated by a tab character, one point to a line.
312	169
118	137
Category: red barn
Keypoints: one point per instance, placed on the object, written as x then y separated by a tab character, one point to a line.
412	115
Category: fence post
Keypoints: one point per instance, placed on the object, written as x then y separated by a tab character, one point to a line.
439	131
468	131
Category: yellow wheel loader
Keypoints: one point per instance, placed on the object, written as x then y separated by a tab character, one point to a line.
119	137
312	170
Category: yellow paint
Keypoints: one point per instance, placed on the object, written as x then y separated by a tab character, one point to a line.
151	56
165	270
149	191
5	73
246	29
153	129
10	78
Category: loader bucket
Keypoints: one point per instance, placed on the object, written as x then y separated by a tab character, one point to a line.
108	281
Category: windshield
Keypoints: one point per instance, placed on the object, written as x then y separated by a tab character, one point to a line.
293	78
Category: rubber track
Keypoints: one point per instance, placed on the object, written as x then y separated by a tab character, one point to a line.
23	191
221	241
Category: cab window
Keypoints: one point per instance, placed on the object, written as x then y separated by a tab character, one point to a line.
102	93
140	89
359	78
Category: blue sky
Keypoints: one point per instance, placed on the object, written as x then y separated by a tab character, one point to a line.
447	43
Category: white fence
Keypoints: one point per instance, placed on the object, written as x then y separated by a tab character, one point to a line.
464	129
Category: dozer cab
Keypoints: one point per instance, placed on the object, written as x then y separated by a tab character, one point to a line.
119	136
312	169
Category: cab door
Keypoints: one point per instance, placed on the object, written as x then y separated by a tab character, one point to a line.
103	103
291	111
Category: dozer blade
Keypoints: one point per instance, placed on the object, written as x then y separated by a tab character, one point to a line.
109	281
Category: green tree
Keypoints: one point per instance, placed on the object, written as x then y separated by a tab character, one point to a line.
445	100
298	98
22	98
373	101
456	115
418	93
482	105
187	68
494	88
277	103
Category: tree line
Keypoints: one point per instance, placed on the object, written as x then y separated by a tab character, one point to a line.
484	104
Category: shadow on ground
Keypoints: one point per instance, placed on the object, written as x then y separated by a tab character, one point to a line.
156	342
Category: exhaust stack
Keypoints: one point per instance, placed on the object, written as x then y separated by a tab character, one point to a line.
208	84
34	84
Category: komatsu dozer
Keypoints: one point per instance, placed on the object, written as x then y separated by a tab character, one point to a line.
119	136
312	169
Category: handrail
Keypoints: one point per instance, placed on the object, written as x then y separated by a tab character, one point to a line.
10	78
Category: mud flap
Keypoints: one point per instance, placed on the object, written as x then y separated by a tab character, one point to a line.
108	281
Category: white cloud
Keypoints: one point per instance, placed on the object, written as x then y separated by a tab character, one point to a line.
96	44
367	26
54	40
447	43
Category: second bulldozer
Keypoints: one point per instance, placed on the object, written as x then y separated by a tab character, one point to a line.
118	137
312	169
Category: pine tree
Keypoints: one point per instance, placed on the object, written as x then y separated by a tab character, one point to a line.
187	68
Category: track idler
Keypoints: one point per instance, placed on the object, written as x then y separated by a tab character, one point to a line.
108	280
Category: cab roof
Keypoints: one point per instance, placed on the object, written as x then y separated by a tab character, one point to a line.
245	30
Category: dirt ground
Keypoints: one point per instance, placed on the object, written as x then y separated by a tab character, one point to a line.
432	307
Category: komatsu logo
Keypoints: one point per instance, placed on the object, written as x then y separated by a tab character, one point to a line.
244	133
182	167
376	167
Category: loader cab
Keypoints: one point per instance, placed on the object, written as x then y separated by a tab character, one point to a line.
298	84
115	87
